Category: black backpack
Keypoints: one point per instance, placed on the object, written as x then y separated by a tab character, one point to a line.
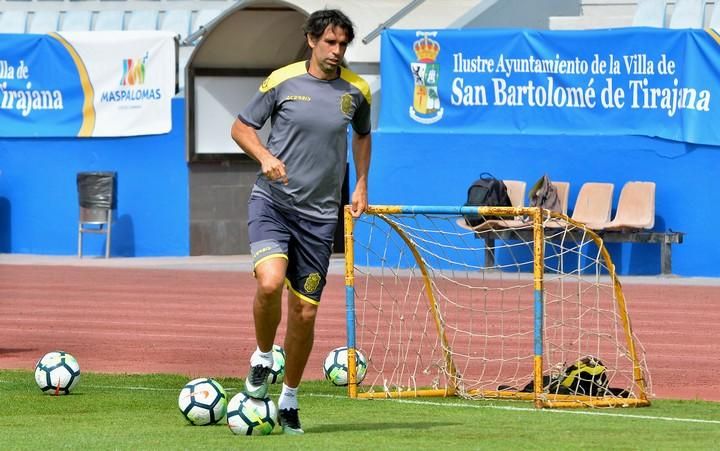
486	191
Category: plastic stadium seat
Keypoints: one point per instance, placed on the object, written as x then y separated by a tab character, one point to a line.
715	17
636	207
177	21
563	190
593	205
516	193
43	22
650	13
76	20
13	21
109	20
143	19
688	14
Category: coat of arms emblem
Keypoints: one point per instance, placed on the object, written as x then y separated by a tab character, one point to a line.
425	71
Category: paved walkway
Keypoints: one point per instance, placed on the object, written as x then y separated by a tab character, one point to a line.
243	263
197	263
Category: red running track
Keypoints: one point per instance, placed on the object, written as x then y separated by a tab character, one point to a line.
199	323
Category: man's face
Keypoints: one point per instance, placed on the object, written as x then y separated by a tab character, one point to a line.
329	49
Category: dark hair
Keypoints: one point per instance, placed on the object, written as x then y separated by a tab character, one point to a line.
318	21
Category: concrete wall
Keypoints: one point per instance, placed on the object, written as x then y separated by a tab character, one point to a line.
218	207
39	201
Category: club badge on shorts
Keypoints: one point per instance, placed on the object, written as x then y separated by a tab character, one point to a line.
312	282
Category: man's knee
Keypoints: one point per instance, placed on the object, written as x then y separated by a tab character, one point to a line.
270	277
303	311
269	286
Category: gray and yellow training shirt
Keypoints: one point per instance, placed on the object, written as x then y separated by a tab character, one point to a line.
309	120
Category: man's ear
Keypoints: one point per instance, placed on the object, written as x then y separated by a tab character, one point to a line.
311	42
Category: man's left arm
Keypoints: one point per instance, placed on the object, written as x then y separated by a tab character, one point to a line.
362	148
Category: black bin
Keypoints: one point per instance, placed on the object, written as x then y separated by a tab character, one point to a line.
96	189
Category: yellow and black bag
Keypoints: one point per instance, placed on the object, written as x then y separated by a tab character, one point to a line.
588	376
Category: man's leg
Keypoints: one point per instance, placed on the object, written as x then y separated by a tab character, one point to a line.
309	258
267	311
299	339
268	244
267	307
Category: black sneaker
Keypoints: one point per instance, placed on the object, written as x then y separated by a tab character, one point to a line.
256	383
290	422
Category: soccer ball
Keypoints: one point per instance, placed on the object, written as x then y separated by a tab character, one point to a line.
250	416
57	373
203	401
336	366
277	372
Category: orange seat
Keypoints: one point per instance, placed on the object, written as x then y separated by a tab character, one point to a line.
593	205
563	190
636	207
516	193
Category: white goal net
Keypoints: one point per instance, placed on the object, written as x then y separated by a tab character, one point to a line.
515	308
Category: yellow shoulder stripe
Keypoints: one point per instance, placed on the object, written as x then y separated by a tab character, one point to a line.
282	74
355	80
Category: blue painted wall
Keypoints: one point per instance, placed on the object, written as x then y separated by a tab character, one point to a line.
436	169
39	201
38	193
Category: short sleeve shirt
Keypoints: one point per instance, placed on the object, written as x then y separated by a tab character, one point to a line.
309	134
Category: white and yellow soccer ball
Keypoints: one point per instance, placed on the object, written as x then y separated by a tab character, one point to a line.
277	372
250	416
203	401
335	366
57	373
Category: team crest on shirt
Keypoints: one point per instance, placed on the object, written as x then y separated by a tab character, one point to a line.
346	104
312	282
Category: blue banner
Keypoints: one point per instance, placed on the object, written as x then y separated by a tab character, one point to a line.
631	81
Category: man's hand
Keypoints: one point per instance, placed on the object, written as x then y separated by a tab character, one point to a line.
274	169
359	201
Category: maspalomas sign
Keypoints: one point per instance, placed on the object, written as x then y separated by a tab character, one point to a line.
86	84
632	81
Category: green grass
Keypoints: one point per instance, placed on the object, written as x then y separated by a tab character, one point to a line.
137	412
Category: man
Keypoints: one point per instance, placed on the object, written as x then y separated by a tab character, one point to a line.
293	207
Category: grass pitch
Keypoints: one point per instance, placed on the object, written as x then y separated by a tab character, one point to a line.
138	412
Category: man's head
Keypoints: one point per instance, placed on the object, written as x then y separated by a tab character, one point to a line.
318	21
328	33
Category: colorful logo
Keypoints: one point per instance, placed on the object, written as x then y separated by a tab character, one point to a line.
425	71
134	71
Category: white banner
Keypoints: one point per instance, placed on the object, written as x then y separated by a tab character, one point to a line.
88	84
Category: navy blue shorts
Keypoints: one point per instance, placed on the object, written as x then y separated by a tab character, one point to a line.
306	244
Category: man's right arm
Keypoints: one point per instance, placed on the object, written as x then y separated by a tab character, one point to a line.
247	138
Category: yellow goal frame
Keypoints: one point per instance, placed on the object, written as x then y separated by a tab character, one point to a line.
539	398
